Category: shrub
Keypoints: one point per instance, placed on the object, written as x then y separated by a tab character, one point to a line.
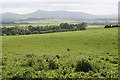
114	61
29	55
52	65
83	65
28	62
57	56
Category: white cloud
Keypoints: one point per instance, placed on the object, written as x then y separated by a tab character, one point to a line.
100	9
18	10
89	6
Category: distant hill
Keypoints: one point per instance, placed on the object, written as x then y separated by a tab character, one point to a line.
55	15
10	15
59	14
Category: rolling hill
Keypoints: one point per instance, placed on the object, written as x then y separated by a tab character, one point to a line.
55	15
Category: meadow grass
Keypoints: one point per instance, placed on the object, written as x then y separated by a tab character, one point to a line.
98	47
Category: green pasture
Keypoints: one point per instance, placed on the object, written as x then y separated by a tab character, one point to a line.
97	46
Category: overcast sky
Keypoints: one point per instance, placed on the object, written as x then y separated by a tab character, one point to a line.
97	7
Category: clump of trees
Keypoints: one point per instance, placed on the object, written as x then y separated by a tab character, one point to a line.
63	27
111	26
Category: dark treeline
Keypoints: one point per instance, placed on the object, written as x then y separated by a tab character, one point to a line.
14	23
63	27
7	23
111	26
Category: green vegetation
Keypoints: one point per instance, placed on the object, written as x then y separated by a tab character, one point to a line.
63	27
75	54
111	26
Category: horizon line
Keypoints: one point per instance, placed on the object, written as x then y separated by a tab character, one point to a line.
55	10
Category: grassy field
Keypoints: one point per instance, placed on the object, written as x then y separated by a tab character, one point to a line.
83	54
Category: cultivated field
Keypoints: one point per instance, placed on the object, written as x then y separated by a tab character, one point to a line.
83	54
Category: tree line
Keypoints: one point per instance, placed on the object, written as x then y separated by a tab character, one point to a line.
63	27
111	26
